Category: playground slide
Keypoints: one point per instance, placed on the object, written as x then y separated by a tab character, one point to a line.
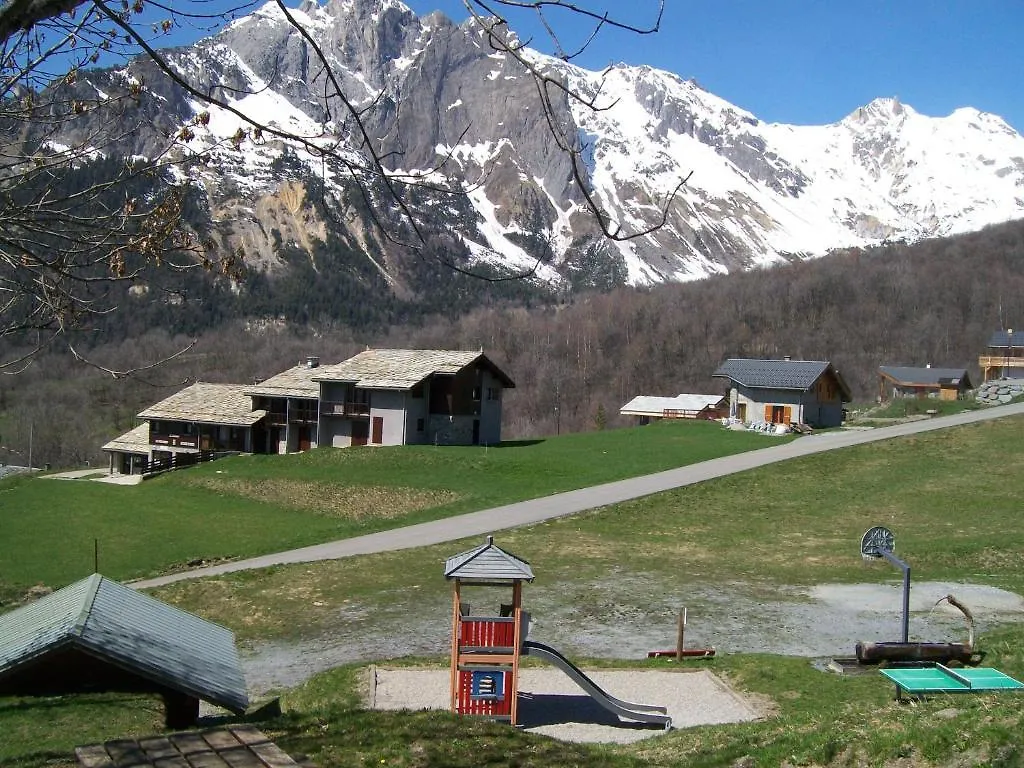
645	713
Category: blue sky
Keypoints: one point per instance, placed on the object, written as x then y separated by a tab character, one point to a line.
815	62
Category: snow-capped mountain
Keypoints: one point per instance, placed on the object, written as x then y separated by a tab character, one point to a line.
437	93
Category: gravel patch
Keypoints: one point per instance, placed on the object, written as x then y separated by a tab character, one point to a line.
552	705
819	622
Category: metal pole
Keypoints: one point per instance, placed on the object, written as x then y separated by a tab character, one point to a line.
906	590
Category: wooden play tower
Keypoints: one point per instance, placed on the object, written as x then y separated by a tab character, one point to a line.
486	648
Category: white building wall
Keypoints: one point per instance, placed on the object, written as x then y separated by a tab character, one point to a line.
389	405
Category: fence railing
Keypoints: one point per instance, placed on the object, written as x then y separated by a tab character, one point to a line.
180	460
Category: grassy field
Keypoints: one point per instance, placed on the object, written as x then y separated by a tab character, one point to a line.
952	497
251	505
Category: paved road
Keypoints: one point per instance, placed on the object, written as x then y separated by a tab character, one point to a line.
537	510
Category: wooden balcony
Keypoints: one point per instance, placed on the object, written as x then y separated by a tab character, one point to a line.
346	409
295	415
998	361
175	441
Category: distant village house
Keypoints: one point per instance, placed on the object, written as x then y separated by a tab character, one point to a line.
896	381
1004	357
785	391
648	408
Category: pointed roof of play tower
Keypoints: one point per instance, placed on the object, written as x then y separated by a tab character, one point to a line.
489	563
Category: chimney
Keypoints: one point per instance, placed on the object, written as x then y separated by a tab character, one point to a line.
787	358
312	362
927	365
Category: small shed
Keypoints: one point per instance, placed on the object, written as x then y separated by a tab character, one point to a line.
648	408
896	381
99	635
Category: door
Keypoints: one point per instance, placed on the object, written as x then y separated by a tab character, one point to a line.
378	430
476	431
360	429
305	438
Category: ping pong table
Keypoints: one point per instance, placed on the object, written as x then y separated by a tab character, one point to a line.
938	678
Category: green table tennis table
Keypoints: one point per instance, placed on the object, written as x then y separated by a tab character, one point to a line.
937	678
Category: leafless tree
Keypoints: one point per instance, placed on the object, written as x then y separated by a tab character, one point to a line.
75	218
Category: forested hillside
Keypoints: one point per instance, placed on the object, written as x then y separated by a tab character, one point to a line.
576	362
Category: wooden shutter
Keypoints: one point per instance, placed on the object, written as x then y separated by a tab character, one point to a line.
768	413
789	415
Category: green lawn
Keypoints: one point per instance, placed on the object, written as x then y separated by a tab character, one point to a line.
251	505
951	496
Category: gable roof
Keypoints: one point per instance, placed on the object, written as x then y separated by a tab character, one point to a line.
488	562
135	440
405	368
929	377
207	404
798	375
295	382
1006	339
110	621
643	405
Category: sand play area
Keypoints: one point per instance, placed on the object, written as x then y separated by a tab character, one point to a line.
551	704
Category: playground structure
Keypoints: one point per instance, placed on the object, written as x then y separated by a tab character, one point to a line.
486	650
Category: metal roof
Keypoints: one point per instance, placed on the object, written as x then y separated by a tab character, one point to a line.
1006	339
295	382
157	641
133	441
910	376
488	562
643	405
779	374
404	368
207	404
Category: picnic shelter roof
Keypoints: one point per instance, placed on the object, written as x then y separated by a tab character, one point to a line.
133	631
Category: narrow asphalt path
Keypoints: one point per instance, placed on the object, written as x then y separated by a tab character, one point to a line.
561	504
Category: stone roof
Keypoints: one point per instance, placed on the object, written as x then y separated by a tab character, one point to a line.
798	375
488	562
644	405
133	441
295	382
207	404
128	629
928	376
404	368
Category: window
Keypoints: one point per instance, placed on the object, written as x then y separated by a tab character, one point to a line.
493	393
419	425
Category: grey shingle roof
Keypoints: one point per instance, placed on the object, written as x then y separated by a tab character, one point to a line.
157	641
404	368
1004	339
207	404
488	562
772	374
909	375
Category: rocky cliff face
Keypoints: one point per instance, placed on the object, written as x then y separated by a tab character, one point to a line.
441	103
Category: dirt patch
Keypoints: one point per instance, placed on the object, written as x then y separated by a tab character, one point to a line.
605	621
343	502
